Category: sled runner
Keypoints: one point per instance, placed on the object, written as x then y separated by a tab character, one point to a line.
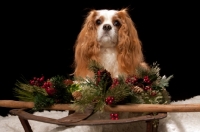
81	118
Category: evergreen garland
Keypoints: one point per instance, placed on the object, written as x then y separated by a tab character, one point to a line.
146	87
45	93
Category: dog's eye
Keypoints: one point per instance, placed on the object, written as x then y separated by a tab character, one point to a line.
116	23
98	21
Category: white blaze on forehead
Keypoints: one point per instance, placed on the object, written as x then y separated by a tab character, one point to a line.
107	14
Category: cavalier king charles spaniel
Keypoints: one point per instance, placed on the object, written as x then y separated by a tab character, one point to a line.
110	38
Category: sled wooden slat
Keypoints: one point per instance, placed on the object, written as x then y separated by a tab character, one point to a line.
25	124
81	118
154	108
118	108
25	116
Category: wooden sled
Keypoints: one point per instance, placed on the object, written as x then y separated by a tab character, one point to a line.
80	118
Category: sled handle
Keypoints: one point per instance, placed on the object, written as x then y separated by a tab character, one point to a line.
117	108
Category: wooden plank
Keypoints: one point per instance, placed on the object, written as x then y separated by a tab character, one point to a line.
25	124
154	108
117	108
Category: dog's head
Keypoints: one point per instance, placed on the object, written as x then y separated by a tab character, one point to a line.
107	25
108	29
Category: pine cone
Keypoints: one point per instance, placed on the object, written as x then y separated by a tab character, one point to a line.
105	76
77	95
137	89
68	82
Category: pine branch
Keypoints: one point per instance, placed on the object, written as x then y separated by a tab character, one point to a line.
62	94
142	71
29	88
42	101
25	91
23	95
166	96
119	92
94	66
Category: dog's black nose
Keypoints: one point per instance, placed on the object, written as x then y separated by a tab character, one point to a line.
107	27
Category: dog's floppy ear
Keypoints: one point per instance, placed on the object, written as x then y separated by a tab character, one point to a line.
88	29
86	46
129	46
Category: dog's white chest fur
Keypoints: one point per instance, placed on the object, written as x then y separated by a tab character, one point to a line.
109	60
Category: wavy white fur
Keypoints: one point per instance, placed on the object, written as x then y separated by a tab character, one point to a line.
174	122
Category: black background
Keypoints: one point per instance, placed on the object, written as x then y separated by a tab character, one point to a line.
38	37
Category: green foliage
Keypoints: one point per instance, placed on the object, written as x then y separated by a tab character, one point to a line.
120	92
148	99
41	101
91	94
62	94
94	66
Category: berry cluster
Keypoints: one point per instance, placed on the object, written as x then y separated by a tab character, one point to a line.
37	81
48	86
144	83
114	116
109	100
115	82
147	88
146	80
134	80
153	93
131	80
40	82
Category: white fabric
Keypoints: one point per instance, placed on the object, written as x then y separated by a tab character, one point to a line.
183	121
174	122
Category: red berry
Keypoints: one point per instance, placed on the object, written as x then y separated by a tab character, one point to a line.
147	88
50	91
115	115
146	79
153	93
41	79
131	80
32	82
99	73
115	82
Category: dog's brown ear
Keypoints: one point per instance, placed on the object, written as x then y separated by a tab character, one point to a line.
86	45
129	44
88	28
